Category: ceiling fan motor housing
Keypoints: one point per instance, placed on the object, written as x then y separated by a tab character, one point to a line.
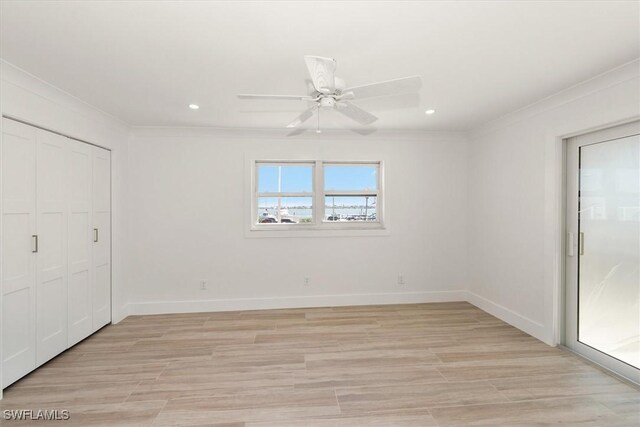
327	102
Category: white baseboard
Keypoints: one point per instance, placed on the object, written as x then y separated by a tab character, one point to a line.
166	307
119	315
505	314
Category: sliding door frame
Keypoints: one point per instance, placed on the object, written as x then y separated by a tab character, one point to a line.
571	253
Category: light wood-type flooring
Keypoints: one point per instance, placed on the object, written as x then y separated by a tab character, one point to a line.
445	364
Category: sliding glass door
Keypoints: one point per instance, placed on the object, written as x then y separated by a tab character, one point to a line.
603	248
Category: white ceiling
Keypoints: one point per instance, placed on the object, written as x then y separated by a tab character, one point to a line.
145	61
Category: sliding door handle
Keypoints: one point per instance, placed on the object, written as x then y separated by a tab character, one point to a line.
570	244
95	235
581	243
35	244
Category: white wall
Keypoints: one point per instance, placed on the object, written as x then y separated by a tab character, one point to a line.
188	223
515	198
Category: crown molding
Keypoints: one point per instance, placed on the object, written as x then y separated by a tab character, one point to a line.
282	134
23	79
619	75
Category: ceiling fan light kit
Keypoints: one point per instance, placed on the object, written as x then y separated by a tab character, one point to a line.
330	93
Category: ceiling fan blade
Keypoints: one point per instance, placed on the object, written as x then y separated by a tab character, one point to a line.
355	113
390	87
282	97
363	131
392	102
322	72
303	117
310	87
296	132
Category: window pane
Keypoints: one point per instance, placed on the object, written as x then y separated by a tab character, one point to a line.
285	179
350	177
285	210
350	208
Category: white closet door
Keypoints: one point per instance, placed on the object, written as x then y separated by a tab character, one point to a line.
18	259
52	186
101	237
80	242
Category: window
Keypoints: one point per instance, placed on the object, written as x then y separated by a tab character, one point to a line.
284	193
350	192
316	195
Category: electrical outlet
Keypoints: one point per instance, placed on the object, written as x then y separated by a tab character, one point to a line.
401	279
203	285
307	281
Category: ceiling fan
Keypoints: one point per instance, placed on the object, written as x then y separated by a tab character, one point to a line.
330	93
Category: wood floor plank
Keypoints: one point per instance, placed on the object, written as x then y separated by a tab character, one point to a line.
249	406
67	394
365	358
360	376
560	385
520	367
384	399
377	420
578	412
493	354
81	375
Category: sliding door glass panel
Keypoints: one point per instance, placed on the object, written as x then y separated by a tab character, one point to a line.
609	248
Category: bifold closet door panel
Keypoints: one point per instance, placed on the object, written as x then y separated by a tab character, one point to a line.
101	237
51	219
18	260
80	242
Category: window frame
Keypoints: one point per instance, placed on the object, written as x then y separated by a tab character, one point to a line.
318	198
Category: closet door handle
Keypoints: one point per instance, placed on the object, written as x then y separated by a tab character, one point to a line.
95	235
581	243
35	243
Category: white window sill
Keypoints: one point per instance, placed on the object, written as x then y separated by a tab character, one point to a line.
316	230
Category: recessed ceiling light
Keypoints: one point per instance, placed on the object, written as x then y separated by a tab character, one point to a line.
194	106
429	112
